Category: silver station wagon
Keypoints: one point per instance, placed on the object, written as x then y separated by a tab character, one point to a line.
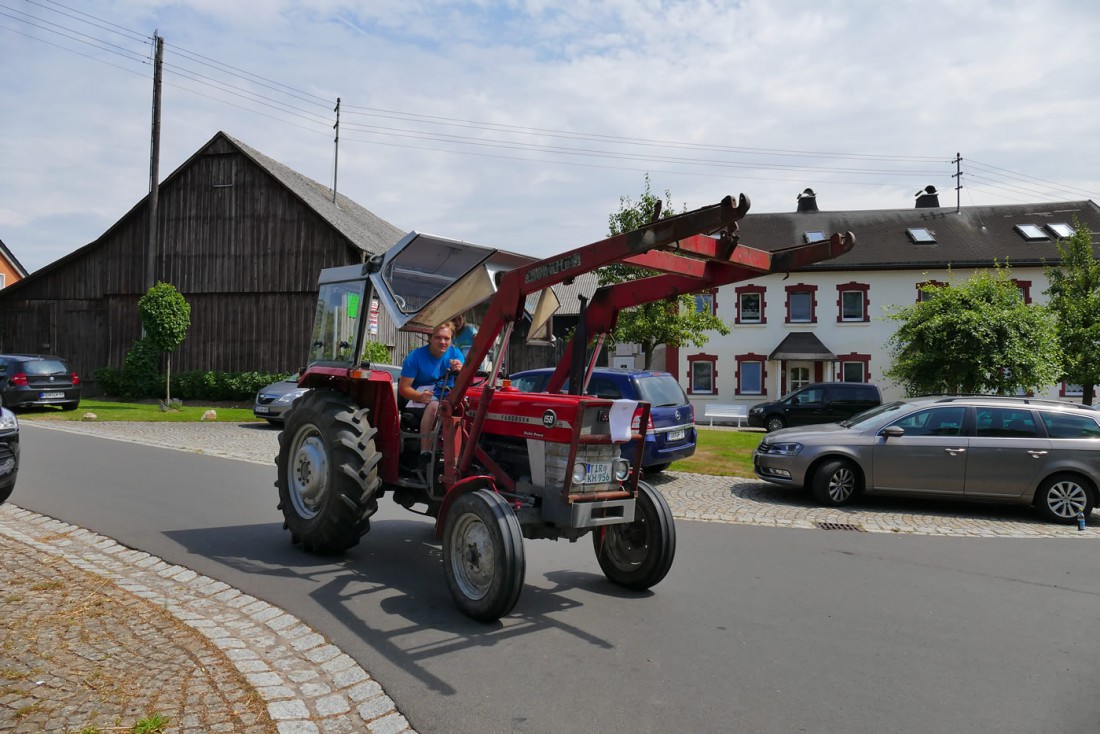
980	448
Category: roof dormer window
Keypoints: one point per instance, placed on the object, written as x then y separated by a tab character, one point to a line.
921	235
1031	232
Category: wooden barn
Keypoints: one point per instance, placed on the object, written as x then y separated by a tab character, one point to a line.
243	238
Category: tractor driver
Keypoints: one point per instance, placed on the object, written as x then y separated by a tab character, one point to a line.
423	374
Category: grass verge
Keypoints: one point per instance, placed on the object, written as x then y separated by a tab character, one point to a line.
721	453
111	410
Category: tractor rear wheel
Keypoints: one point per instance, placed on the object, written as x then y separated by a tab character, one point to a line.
483	557
637	555
327	472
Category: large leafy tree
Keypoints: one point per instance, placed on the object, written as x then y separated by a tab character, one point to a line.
975	337
166	317
1074	294
673	322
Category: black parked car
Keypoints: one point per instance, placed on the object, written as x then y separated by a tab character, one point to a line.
9	452
821	402
38	379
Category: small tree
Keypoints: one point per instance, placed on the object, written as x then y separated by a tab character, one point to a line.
165	316
976	337
673	322
1074	294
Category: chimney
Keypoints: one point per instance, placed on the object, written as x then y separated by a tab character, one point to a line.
928	198
807	201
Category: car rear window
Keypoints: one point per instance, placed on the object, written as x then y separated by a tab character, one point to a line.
1070	426
44	367
660	390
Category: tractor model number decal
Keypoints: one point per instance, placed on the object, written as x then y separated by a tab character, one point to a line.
530	420
552	268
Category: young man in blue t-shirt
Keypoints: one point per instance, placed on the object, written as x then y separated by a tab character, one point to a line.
424	373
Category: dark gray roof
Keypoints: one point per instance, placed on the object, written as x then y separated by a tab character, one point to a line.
801	345
364	228
7	255
973	236
583	285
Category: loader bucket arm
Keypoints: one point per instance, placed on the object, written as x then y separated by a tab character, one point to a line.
515	285
687	274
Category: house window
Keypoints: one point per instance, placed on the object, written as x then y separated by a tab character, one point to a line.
1024	286
2	276
750	305
801	307
706	302
813	235
853	303
855	367
1070	390
702	374
922	294
800	377
750	374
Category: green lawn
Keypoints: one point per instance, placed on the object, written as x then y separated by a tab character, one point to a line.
110	410
721	453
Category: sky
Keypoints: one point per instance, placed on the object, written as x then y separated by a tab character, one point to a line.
521	124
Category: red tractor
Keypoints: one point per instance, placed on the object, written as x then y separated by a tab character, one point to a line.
506	465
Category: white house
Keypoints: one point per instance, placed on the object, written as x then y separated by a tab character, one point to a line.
828	322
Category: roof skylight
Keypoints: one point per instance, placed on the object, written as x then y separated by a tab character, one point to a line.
813	235
921	235
1031	232
1061	230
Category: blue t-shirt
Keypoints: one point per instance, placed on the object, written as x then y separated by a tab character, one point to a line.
464	339
426	370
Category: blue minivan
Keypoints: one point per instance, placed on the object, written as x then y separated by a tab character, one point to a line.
671	432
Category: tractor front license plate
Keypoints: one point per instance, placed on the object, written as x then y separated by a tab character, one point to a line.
51	396
598	474
675	435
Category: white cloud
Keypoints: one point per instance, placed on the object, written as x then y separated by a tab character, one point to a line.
1007	84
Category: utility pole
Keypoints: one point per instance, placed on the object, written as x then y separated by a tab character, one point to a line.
336	156
958	176
154	169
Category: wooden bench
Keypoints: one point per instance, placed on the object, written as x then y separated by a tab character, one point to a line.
726	411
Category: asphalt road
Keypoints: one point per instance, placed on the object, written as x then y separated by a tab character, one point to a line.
754	630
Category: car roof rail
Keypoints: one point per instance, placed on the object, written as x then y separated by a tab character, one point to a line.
1025	399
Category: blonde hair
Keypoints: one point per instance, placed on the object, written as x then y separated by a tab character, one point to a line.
445	325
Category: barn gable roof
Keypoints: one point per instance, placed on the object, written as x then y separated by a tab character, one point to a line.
362	228
365	229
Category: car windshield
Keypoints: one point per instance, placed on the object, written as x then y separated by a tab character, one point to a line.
660	391
876	416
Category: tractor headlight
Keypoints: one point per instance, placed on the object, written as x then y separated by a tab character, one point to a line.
580	472
622	469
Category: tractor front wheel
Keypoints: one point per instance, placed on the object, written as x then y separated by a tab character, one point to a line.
327	472
483	555
637	555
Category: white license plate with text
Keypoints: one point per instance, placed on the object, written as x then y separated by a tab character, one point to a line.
598	474
51	396
676	435
262	409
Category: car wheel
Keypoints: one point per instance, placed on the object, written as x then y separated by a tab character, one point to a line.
835	483
656	468
775	423
1062	496
70	406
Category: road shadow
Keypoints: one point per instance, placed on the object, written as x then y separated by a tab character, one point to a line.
399	556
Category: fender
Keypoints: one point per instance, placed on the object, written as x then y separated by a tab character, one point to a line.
459	488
